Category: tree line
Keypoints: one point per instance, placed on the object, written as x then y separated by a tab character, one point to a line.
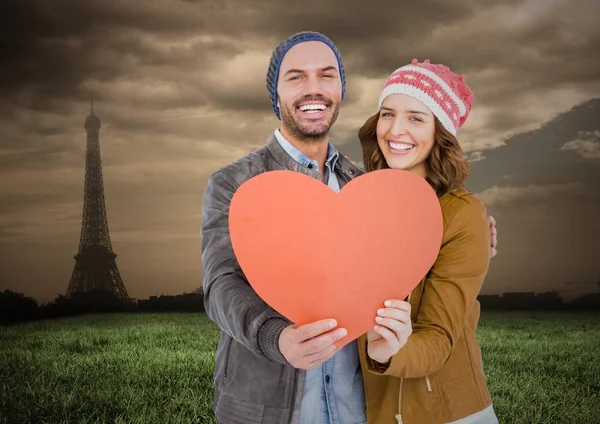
15	306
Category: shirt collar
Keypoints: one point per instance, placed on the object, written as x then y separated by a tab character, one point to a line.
301	158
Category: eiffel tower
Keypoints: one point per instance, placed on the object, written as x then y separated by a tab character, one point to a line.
95	267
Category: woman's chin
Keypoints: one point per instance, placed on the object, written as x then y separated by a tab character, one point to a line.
399	165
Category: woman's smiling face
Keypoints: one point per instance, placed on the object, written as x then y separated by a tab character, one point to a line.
405	133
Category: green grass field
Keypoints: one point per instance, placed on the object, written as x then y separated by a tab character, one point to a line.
542	367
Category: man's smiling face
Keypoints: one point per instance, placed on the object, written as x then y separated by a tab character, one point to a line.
309	90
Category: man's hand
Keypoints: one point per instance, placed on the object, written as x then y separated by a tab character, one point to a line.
494	234
392	331
310	345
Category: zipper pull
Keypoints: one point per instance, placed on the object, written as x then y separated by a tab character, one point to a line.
399	418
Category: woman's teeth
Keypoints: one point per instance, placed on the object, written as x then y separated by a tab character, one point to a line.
401	146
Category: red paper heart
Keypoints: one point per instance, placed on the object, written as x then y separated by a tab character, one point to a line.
311	253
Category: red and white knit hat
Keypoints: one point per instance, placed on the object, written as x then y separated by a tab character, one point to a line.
441	90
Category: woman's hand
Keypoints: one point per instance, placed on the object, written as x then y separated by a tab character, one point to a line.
391	332
494	236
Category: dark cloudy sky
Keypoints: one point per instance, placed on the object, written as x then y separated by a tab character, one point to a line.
179	88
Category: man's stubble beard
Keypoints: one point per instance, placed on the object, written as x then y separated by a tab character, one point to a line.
297	132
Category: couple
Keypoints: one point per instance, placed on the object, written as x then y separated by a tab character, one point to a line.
421	362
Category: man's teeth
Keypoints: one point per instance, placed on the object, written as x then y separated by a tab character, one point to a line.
401	146
312	107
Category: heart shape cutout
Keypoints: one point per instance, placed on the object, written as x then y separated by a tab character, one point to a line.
311	253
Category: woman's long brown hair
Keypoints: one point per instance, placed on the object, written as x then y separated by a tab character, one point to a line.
445	166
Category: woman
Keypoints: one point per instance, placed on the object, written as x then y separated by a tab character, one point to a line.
430	371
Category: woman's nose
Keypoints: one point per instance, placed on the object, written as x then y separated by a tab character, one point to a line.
399	126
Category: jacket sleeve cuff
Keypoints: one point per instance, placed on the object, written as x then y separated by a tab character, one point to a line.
268	339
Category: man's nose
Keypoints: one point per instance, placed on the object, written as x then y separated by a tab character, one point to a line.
312	86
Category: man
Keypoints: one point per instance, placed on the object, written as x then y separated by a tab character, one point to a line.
267	369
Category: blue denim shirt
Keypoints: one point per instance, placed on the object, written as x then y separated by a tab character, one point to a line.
333	391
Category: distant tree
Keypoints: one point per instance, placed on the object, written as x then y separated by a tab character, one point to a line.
16	306
60	299
92	301
56	308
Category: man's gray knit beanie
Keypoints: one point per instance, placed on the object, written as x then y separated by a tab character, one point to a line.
281	50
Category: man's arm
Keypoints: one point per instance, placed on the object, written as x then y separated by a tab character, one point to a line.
228	298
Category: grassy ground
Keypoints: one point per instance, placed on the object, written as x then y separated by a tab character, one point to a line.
156	368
